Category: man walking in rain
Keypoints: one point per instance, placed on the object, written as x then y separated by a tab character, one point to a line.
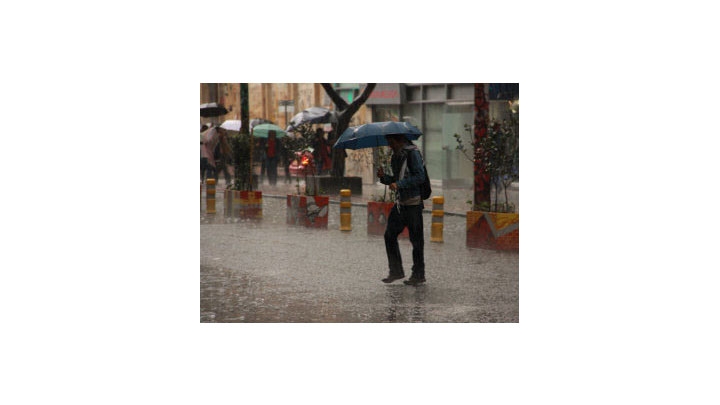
408	176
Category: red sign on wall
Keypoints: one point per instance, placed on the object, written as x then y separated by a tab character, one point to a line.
386	93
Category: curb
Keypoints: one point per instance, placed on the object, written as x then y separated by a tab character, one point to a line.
357	204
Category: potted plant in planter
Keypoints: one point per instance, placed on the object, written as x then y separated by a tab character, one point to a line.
306	207
241	201
494	225
378	210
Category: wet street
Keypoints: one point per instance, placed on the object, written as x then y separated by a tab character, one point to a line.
267	271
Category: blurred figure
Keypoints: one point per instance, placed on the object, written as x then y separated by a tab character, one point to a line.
210	140
287	157
206	167
203	160
261	147
321	154
223	155
272	153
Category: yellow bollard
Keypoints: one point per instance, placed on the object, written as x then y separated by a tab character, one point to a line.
210	196
436	233
345	211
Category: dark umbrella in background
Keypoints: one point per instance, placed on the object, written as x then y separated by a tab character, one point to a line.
313	115
212	110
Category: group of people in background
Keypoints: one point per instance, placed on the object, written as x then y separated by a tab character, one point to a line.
215	154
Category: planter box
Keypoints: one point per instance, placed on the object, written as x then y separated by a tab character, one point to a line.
243	204
493	230
378	213
309	211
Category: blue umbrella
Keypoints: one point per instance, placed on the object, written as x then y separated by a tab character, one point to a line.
373	134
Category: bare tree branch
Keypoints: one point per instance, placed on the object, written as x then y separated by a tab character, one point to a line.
361	100
339	102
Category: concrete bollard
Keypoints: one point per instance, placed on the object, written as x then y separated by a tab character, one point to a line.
438	213
210	196
345	211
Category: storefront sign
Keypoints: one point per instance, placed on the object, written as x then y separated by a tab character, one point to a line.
387	93
286	105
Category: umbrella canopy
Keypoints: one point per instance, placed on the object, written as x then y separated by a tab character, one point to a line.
257	121
313	115
373	134
212	110
232	125
262	131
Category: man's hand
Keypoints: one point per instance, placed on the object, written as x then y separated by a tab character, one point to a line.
380	172
393	186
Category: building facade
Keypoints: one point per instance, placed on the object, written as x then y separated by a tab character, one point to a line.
439	110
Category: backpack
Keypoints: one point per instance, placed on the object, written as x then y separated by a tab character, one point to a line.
425	189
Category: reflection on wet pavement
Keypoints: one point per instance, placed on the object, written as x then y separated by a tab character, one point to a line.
267	271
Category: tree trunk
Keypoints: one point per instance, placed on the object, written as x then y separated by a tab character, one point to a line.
345	114
482	179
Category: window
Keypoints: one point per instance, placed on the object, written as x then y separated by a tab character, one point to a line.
503	91
461	91
413	93
348	91
433	140
434	93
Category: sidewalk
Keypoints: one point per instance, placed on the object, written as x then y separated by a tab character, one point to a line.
456	199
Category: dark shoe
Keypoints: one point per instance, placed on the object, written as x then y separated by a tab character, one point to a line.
414	281
392	277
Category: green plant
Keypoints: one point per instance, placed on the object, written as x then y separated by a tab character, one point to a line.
383	160
498	155
482	206
297	143
240	145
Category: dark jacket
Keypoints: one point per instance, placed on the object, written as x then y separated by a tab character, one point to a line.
409	185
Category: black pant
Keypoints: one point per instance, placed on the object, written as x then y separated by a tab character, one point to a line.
206	169
410	216
271	164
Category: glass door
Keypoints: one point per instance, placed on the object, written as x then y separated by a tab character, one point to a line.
458	169
433	134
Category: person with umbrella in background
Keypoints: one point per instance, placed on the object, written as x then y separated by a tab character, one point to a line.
288	155
272	153
210	140
223	151
321	152
223	156
203	158
271	148
408	176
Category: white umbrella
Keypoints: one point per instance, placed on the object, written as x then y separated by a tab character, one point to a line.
232	125
313	115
